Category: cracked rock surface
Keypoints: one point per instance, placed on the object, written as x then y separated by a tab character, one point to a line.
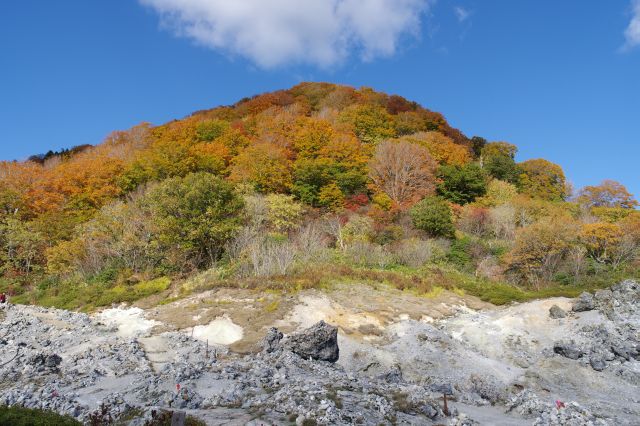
499	366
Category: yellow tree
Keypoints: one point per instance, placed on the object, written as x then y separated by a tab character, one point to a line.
265	166
601	240
542	179
369	122
311	136
442	148
498	193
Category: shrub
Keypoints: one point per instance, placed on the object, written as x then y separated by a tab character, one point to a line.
474	220
502	221
460	253
540	249
283	212
433	216
498	193
131	293
364	253
271	257
358	228
387	234
489	268
414	252
261	255
120	233
311	243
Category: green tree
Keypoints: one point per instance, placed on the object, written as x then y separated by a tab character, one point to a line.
498	159
433	216
195	216
477	143
22	247
211	129
462	184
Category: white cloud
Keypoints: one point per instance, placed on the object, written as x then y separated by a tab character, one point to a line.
461	13
632	34
277	32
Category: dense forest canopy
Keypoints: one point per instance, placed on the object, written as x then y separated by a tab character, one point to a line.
262	185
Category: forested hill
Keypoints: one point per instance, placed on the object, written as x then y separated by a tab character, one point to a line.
360	179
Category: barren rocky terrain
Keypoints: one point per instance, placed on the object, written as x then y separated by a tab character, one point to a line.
548	362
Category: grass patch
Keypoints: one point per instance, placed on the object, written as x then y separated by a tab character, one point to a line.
74	295
272	307
131	293
20	416
500	293
429	281
435	292
458	291
168	300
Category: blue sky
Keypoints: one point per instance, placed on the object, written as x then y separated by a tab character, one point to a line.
560	79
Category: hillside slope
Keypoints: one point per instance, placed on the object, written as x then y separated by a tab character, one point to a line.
295	189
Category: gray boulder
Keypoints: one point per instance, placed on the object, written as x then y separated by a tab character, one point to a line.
393	375
271	341
597	363
556	312
567	350
44	362
52	361
583	303
319	342
623	350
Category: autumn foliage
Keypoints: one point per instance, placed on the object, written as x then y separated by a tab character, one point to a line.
378	171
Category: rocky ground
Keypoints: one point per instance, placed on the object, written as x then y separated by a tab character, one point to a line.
382	357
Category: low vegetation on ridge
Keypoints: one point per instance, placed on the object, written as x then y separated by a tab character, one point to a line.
300	188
